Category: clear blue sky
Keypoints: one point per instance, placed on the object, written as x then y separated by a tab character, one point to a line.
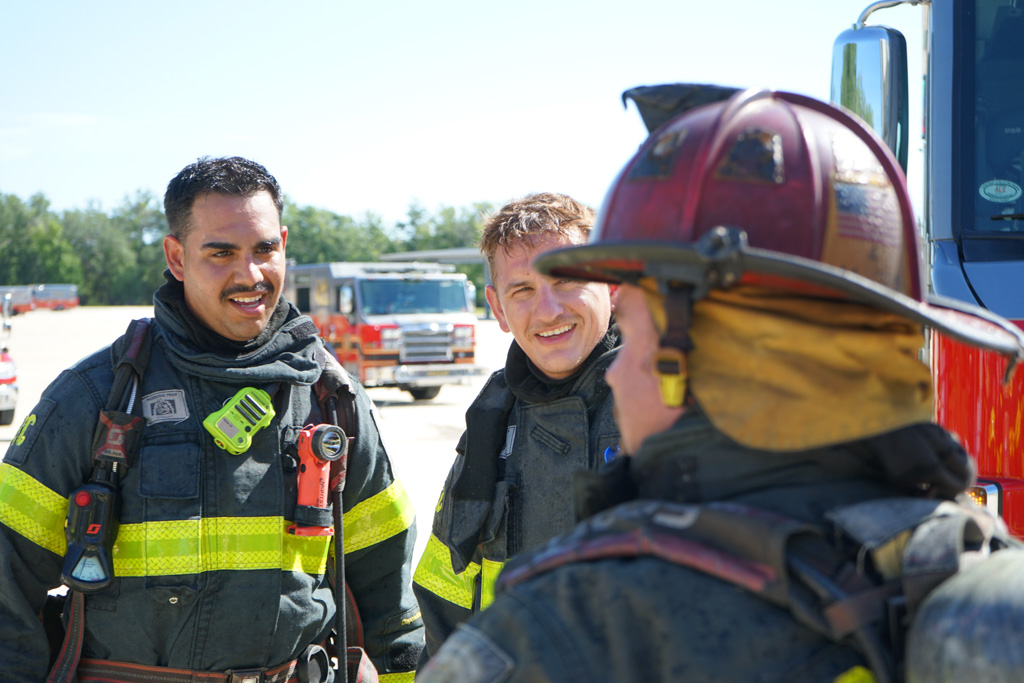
367	106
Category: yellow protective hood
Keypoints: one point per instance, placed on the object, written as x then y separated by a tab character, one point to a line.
781	372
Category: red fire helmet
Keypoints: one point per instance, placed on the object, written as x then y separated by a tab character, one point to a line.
778	190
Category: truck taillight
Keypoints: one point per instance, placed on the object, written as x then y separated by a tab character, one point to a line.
381	337
987	495
8	374
463	335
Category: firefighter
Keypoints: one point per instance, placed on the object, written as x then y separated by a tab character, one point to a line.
208	582
545	416
784	471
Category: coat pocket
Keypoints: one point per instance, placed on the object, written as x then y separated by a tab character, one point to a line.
169	470
166	547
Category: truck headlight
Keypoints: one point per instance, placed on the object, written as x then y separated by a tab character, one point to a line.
391	338
463	335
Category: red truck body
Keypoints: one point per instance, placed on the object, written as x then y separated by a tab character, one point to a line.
406	325
973	201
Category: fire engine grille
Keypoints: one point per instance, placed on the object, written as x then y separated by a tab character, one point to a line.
427	344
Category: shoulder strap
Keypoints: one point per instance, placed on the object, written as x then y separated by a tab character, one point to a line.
739	544
783	560
336	396
115	439
117	433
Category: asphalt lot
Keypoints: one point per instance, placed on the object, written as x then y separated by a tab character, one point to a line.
420	436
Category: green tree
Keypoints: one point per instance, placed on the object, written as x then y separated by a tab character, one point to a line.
15	219
450	228
108	260
140	221
321	236
33	248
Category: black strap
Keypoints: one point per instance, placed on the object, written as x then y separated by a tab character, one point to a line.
114	441
64	668
336	396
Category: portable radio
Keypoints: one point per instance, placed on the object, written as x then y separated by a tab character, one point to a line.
244	414
90	530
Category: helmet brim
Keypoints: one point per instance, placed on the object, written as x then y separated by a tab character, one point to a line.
626	262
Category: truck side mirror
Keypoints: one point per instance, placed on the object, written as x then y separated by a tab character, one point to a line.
6	309
869	78
345	300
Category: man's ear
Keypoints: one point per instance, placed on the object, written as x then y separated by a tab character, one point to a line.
284	236
491	294
613	295
174	252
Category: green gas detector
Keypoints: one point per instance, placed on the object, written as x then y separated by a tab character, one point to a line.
244	414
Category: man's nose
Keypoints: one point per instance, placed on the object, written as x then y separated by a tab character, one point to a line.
249	271
549	303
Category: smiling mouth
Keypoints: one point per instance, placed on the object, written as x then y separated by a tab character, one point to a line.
247	301
555	332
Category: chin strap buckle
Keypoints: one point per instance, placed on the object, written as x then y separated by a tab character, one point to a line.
670	366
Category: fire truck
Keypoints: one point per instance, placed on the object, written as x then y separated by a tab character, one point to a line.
56	297
8	372
410	325
21	297
973	216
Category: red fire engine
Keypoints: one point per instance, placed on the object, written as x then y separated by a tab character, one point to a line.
407	325
973	204
56	297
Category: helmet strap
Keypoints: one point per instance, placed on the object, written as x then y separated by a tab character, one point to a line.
670	359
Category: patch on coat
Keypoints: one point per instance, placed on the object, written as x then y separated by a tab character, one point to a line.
165	406
510	440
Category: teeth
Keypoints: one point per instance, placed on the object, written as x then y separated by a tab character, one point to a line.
247	300
552	333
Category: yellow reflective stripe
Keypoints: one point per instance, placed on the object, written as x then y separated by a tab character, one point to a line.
435	573
408	676
378	518
32	510
857	674
191	546
211	544
488	577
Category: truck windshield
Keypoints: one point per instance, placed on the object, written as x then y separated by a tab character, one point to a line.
993	67
384	296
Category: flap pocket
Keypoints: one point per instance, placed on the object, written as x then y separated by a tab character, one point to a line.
169	470
496	519
550	440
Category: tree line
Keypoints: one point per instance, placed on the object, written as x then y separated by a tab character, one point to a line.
116	257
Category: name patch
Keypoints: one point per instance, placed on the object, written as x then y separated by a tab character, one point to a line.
165	406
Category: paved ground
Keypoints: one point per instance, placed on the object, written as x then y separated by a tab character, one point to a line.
420	436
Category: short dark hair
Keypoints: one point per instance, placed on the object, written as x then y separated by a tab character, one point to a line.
226	175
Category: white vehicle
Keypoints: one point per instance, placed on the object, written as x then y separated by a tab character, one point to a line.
408	325
8	372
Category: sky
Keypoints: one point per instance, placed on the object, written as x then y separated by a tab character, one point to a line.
368	107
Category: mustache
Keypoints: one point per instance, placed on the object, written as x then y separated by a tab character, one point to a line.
264	287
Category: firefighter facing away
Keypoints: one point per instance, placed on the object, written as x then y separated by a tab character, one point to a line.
545	416
219	570
785	484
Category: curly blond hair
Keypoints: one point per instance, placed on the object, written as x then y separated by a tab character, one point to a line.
541	213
